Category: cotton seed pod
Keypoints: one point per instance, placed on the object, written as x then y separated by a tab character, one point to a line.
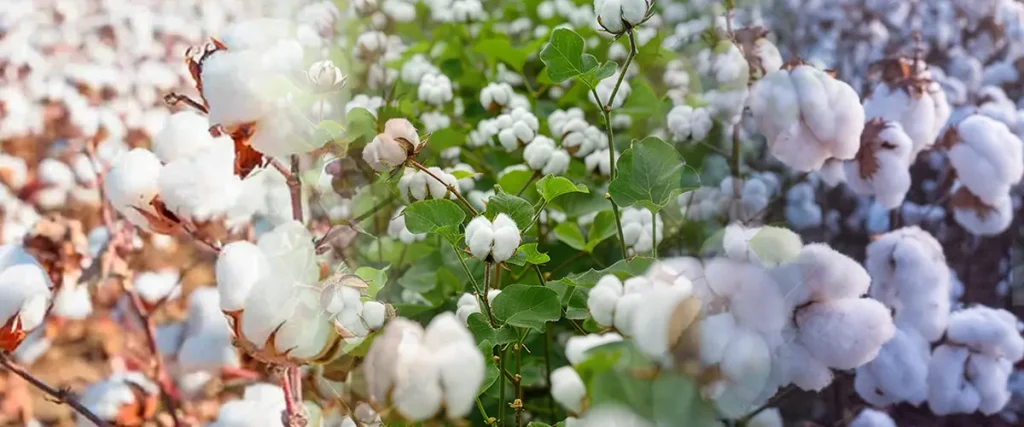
845	333
493	241
882	165
204	187
239	266
598	163
24	295
807	116
987	157
948	390
666	329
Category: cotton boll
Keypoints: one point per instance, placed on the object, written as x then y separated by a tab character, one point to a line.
132	183
577	346
155	286
920	110
605	88
639	227
793	363
615	15
987	157
185	134
468	304
496	96
747	363
25	288
598	163
830	275
686	122
989	376
715	333
872	418
203	187
609	415
668	312
479	237
239	266
517	128
846	333
435	89
107	398
981	218
506	238
568	389
948	390
988	331
898	374
461	374
602	299
882	166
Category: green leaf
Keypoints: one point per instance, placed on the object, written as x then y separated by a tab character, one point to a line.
676	397
623	269
502	50
554	186
376	278
516	208
433	216
594	76
360	125
564	56
460	174
650	174
643	101
570	234
483	332
528	254
601	229
514	180
527	306
421	277
446	138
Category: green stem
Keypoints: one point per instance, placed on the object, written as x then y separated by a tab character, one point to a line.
483	412
476	286
540	276
547	368
654	233
519	384
528	182
501	386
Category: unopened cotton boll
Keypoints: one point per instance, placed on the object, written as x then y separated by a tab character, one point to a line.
496	241
542	156
576	347
807	116
846	333
686	122
435	89
398	230
132	183
568	389
616	16
987	157
496	96
418	185
325	77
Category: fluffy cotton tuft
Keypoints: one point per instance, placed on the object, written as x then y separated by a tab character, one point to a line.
640	228
615	16
845	334
882	166
494	240
542	156
568	389
987	157
132	184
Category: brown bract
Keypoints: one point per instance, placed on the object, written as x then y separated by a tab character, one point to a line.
194	58
60	246
870	143
965	200
746	39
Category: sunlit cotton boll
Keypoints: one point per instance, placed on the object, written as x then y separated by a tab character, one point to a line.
202	187
496	241
24	295
987	157
184	134
419	185
542	156
393	147
599	163
807	116
615	15
435	89
921	111
132	183
846	333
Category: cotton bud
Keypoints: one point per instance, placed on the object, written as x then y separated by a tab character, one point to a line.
121	399
419	185
882	165
325	77
846	333
132	184
435	89
987	157
493	241
872	418
496	96
542	156
568	389
807	116
599	163
686	122
397	229
605	88
24	295
576	347
617	16
517	128
392	148
915	101
640	228
469	304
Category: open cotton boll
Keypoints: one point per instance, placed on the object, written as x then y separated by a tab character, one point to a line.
496	96
234	88
598	162
132	183
882	166
384	153
13	171
469	304
517	128
987	157
72	301
260	406
746	363
568	389
981	218
663	323
417	185
988	331
117	394
794	364
460	364
605	88
845	333
185	134
24	295
155	286
948	390
830	275
638	230
203	187
239	266
495	241
920	108
807	116
435	89
898	374
561	122
686	122
398	230
542	156
909	275
602	299
767	246
467	183
576	347
872	418
990	376
615	16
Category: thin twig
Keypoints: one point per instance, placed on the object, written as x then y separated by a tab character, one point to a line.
296	190
60	396
167	393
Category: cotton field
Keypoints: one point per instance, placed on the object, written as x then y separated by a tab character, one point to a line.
359	213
